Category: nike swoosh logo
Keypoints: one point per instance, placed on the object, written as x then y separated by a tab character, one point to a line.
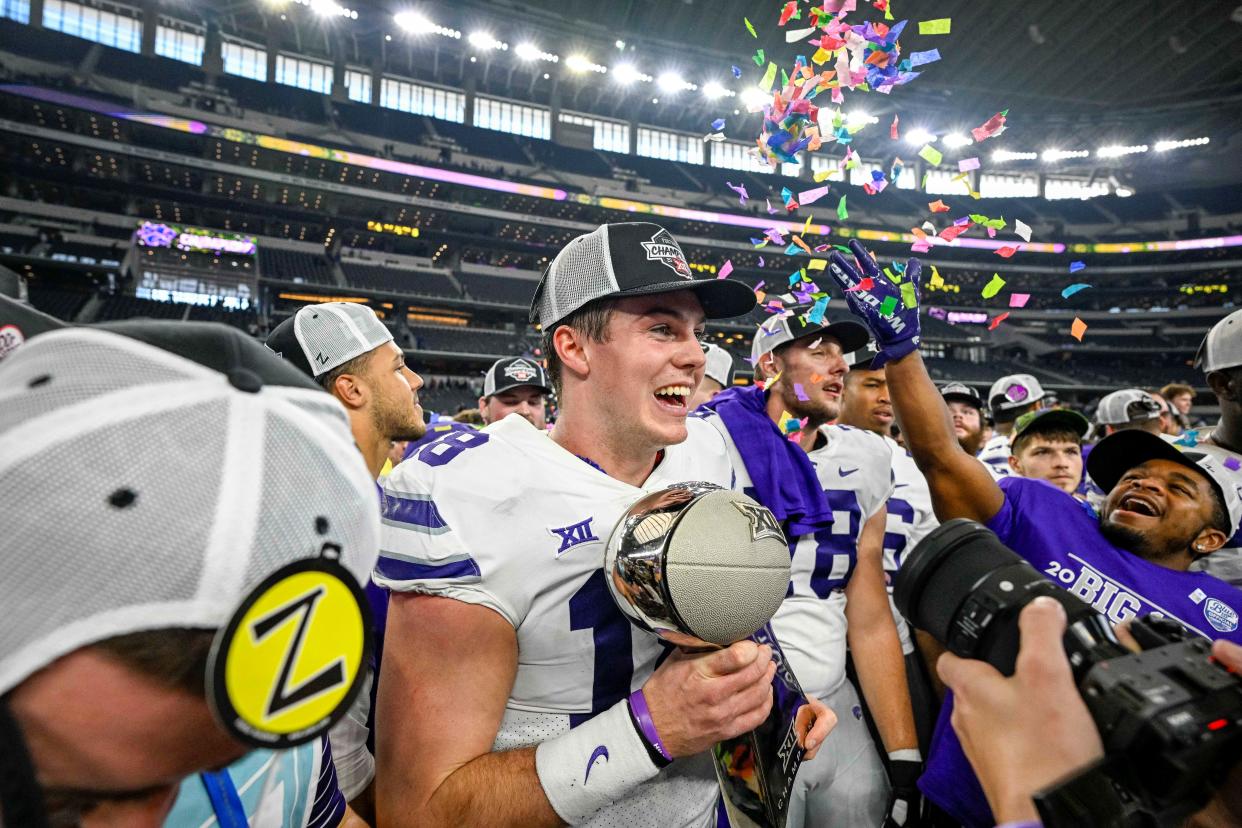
602	750
845	472
901	485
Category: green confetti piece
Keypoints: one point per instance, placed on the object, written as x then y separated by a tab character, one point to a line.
923	183
941	26
759	57
907	295
842	212
784	79
931	155
751	28
993	287
888	306
768	77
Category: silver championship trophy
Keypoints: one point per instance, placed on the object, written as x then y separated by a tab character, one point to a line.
702	567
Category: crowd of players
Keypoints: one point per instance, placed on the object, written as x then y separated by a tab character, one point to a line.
506	688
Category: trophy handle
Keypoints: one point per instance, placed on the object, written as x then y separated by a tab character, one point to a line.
756	770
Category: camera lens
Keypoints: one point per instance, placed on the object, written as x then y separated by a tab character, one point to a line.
966	588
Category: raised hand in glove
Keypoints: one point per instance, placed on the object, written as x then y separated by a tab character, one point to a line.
905	801
889	309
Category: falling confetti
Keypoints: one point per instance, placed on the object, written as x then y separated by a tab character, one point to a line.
993	287
1078	329
1074	288
1018	300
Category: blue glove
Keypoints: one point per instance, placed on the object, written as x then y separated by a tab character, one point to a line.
896	332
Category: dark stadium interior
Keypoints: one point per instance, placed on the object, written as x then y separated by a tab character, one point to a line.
452	267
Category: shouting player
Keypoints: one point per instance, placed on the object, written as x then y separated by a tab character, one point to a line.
514	692
837	593
1164	509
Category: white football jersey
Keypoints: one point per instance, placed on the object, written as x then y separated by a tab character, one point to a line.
854	467
995	456
910	518
507	519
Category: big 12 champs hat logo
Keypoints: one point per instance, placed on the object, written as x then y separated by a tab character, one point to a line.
663	248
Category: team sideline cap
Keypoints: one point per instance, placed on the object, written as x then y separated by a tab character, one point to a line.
124	540
1014	391
960	392
1222	347
1049	419
628	259
861	359
719	365
319	338
512	372
1120	407
777	330
1117	453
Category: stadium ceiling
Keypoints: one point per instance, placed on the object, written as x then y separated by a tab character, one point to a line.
1073	74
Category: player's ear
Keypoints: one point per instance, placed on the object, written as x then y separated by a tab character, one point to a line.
1208	541
1015	466
570	347
768	362
1224	386
350	390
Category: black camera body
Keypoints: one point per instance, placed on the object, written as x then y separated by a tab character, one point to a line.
1170	718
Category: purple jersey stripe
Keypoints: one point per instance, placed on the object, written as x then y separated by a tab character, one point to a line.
412	511
396	569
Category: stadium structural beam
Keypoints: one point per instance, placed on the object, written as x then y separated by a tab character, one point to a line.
150	24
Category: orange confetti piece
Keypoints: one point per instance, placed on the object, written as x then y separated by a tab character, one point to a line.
938	206
1078	329
995	323
798	241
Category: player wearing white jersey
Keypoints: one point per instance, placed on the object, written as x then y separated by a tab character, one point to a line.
837	593
514	692
868	405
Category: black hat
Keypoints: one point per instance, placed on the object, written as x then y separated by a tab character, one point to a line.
628	259
513	372
960	392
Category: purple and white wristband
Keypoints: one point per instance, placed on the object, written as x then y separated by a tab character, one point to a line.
646	727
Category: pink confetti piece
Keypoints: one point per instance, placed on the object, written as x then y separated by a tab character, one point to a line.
726	270
811	196
800	393
1018	300
866	284
1007	251
967	164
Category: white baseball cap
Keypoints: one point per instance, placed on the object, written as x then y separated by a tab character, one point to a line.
1120	407
777	330
144	491
319	338
1014	391
719	364
1222	347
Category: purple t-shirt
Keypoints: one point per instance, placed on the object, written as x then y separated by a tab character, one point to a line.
1059	538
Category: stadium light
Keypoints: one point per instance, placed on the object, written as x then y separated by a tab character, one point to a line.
416	23
1164	146
328	8
956	139
620	44
859	118
626	73
1007	155
754	97
1116	151
1059	154
529	51
918	135
582	63
485	40
713	90
672	82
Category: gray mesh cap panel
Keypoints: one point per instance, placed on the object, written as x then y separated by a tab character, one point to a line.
333	333
581	272
137	506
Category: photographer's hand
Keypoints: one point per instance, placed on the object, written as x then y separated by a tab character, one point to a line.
1023	733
